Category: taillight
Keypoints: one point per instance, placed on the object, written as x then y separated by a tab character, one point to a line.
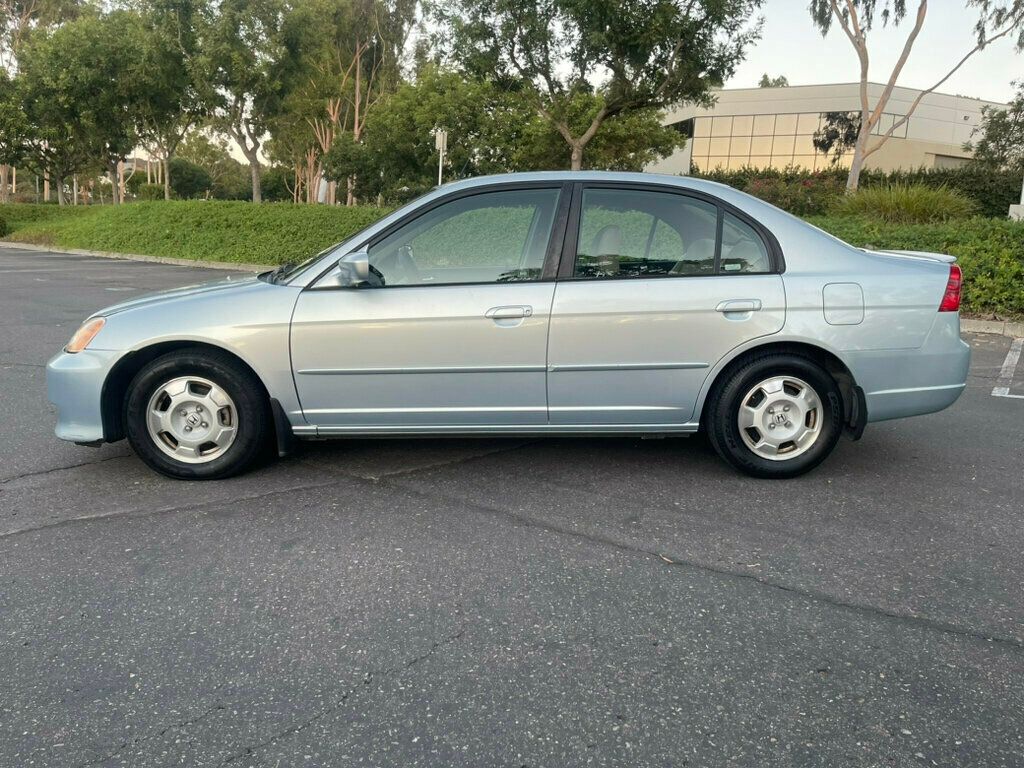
951	298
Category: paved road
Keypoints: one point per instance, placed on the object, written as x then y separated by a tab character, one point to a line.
502	603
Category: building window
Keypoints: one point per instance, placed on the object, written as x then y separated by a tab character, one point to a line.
767	141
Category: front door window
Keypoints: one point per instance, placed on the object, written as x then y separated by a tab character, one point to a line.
493	237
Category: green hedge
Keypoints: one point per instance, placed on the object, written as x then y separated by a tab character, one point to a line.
809	192
212	230
991	252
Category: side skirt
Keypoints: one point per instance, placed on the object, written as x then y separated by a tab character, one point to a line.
312	431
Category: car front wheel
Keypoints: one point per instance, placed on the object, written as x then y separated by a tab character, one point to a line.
776	416
197	415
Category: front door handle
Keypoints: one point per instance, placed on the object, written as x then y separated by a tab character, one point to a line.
509	313
739	305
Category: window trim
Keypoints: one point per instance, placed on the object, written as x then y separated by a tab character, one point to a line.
567	262
559	225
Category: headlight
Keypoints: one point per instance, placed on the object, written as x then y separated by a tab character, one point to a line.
85	334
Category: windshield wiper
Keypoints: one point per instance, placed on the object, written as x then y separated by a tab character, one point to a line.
279	271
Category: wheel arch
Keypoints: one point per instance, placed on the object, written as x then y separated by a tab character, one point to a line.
115	386
854	411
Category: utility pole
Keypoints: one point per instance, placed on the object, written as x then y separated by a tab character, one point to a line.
441	144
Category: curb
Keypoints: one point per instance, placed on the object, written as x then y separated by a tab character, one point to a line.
1000	327
225	265
967	324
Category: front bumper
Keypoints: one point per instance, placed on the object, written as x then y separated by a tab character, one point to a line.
74	384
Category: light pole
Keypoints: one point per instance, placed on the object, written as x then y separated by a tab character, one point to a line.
1017	211
441	144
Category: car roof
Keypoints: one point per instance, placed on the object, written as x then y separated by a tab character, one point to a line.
684	182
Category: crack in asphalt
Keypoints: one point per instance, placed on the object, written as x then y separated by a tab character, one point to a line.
154	735
368	678
38	472
146	512
810	594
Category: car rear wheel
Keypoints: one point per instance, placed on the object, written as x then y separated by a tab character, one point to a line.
197	415
775	416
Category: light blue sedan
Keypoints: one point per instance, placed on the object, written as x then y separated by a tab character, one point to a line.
532	304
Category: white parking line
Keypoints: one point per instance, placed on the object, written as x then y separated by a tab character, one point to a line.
1002	388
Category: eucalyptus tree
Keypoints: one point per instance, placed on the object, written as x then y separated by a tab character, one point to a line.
245	59
174	92
349	59
856	18
621	55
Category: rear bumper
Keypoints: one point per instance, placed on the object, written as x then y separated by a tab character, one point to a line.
911	382
74	383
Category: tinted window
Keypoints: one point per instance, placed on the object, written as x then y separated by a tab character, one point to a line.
630	233
743	250
490	237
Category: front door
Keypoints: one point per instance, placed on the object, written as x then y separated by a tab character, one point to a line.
454	332
657	288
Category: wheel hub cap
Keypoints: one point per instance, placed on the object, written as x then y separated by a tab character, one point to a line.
780	418
191	419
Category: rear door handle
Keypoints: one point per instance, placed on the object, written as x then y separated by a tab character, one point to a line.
509	313
739	305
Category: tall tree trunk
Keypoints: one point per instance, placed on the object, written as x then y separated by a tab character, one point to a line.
60	191
857	162
254	170
4	188
166	164
46	187
114	198
576	157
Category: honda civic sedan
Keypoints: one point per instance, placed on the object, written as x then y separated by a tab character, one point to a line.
531	304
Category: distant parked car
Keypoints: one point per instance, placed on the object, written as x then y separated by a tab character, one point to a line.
536	304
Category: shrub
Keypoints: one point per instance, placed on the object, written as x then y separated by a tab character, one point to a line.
188	180
992	191
908	204
150	192
4	227
806	196
991	252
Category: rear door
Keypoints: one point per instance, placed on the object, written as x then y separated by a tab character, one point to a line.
655	287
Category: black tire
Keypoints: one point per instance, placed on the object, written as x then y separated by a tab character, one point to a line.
254	419
725	400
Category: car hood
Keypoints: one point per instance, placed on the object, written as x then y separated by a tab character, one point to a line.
224	285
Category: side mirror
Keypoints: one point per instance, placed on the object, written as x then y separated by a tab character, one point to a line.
352	271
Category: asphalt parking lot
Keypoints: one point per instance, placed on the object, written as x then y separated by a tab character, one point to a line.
503	602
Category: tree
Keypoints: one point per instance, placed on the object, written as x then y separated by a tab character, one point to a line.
175	94
1001	141
773	82
243	58
996	19
490	130
838	134
77	87
191	181
348	56
622	56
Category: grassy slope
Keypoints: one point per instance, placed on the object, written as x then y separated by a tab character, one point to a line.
216	231
990	250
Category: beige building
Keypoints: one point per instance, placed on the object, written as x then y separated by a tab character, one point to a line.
774	127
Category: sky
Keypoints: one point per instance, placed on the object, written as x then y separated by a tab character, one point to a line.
792	46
